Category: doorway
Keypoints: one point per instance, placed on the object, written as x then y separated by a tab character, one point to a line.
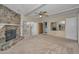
45	27
40	28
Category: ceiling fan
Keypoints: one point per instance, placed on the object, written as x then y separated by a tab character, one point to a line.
42	14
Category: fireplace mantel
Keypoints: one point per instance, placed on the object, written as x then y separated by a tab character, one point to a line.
3	24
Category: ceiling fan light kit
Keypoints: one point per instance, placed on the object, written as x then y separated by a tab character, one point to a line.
40	15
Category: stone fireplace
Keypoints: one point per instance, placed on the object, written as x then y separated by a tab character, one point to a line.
9	27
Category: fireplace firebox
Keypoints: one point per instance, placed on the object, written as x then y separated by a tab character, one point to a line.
10	34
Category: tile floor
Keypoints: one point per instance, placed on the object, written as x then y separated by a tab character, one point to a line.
44	44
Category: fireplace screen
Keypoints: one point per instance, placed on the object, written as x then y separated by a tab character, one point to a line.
10	34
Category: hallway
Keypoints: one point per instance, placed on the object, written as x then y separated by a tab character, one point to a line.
44	44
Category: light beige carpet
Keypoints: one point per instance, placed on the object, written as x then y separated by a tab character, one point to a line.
44	44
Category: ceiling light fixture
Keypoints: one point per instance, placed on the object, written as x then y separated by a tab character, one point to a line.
40	15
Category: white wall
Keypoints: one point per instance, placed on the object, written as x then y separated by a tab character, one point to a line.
25	30
71	28
78	27
21	24
34	28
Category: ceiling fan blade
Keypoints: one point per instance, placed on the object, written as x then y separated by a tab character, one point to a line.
45	12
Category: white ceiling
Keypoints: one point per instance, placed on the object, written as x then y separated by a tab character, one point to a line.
30	9
57	8
23	8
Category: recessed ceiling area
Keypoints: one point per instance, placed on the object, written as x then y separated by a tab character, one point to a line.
32	9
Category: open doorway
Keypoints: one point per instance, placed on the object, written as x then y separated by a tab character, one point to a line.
40	28
45	27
